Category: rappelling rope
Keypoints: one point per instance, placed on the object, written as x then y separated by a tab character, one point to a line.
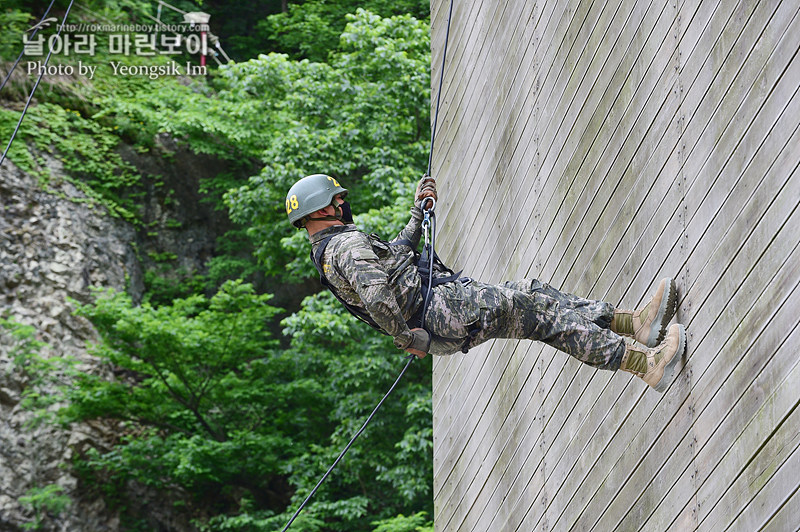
22	52
347	447
439	93
429	222
430	217
35	85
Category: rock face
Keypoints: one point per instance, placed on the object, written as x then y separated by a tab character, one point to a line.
54	247
51	248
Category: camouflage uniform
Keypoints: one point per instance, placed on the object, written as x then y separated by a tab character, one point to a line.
383	280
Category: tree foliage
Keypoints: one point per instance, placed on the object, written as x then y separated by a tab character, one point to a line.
311	30
235	425
207	396
363	118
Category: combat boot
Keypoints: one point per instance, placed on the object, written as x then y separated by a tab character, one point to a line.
649	324
656	365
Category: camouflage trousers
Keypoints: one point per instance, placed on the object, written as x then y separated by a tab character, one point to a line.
525	309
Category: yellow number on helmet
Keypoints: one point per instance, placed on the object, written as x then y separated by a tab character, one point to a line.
335	183
291	204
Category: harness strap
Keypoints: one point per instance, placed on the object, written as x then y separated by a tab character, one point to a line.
356	311
423	267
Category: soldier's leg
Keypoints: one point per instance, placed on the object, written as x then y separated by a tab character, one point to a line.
565	324
599	312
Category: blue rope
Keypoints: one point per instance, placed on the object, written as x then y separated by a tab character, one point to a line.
30	96
22	52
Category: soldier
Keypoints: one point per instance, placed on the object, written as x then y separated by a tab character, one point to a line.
380	283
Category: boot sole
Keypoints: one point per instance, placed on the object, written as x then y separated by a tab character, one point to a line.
669	369
666	310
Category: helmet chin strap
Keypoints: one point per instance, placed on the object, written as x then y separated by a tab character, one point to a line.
339	215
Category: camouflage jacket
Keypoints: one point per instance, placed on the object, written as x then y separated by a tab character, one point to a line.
380	279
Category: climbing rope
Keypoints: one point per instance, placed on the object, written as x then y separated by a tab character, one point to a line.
428	223
439	92
22	52
35	85
347	447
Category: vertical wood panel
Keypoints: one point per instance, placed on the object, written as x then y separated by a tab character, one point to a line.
598	146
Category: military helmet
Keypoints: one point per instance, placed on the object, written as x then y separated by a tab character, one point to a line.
310	194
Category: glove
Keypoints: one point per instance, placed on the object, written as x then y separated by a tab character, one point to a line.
426	188
420	340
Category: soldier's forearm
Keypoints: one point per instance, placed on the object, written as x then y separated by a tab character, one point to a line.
413	229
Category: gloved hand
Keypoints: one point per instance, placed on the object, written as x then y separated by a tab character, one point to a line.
419	344
426	188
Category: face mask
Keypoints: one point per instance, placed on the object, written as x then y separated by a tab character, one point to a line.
347	214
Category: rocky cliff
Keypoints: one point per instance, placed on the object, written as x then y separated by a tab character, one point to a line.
54	247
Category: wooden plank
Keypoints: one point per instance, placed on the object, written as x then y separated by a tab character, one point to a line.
583	418
752	211
554	505
704	394
526	450
459	117
731	319
618	164
738	303
712	224
633	253
724	425
778	490
700	166
603	138
549	376
578	130
445	254
725	490
543	194
556	53
786	517
463	46
636	260
469	420
468	362
510	122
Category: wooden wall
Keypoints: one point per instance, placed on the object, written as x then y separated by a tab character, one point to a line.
598	146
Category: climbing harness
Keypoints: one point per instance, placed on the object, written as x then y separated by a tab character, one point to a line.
39	79
426	273
428	222
426	263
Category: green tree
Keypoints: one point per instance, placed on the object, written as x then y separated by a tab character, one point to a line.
206	401
211	407
210	404
363	117
311	29
389	471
